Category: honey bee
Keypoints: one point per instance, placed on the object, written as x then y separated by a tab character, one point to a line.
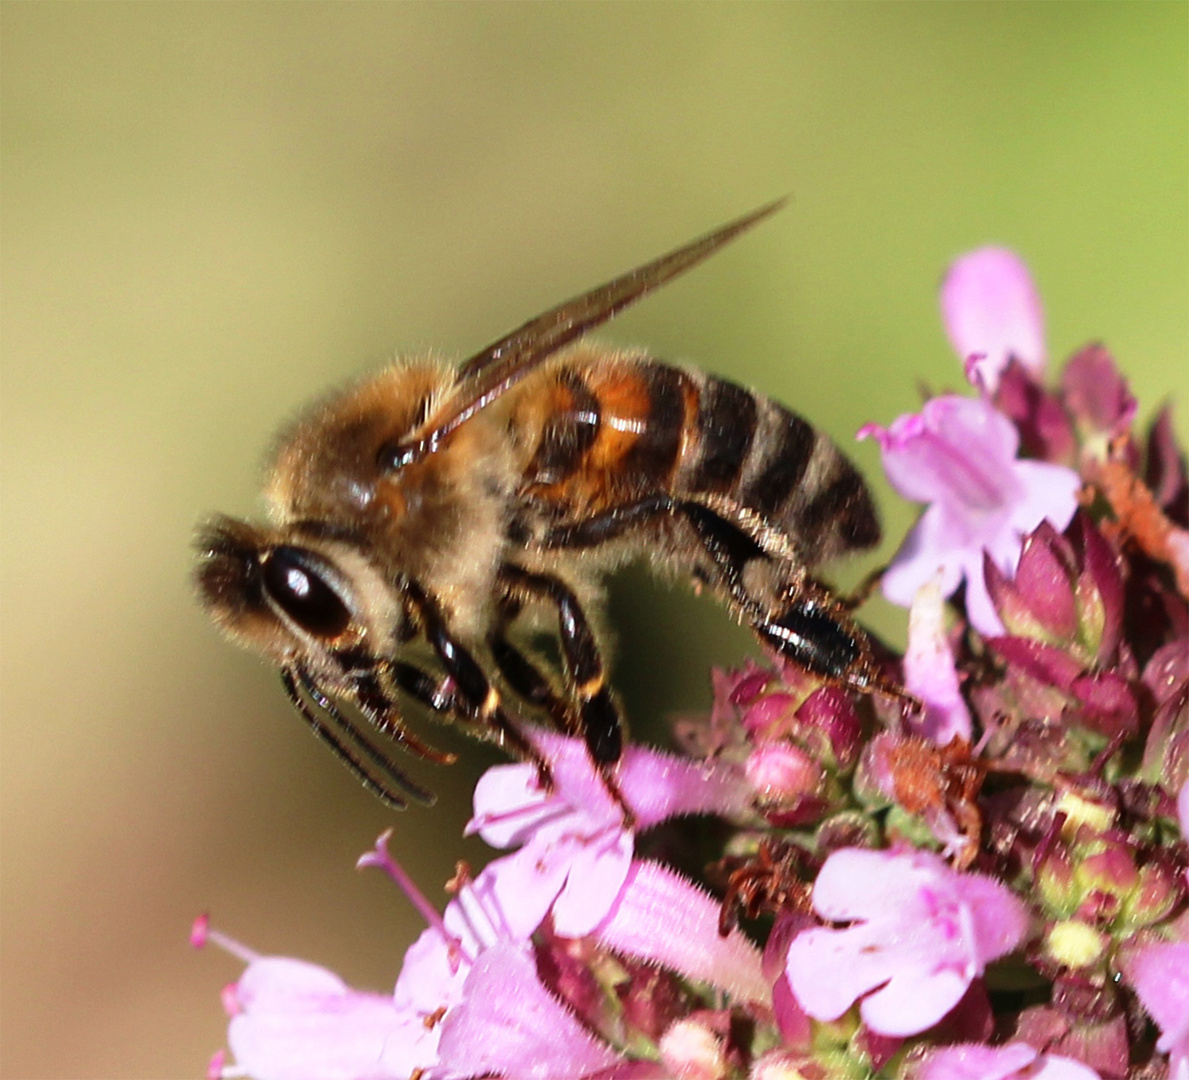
447	506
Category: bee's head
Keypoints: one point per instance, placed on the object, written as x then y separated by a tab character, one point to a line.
293	595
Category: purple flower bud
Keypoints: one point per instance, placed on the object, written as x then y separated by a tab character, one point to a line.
992	313
1038	414
1067	592
1097	397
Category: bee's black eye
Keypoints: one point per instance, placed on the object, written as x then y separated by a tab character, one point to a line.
292	579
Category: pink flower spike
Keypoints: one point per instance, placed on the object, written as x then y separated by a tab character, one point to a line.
959	456
992	313
509	1025
665	919
1160	975
929	671
916	943
1015	1061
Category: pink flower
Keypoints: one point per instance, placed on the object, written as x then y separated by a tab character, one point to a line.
1160	974
1016	1061
992	314
575	850
921	934
576	860
298	1021
292	1020
959	456
929	671
471	978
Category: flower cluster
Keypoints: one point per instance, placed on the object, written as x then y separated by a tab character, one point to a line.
983	879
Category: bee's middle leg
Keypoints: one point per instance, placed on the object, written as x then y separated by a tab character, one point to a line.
475	696
531	684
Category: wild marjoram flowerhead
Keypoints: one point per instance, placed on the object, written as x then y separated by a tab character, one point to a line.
993	886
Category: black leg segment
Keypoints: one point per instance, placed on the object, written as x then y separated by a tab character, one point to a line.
585	675
476	697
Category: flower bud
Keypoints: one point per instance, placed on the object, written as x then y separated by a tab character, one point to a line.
1072	943
691	1050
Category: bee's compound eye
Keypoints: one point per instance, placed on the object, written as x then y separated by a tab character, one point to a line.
292	579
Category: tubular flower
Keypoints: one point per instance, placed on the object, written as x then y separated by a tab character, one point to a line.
575	850
929	671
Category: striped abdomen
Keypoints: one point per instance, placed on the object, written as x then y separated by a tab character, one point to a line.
617	429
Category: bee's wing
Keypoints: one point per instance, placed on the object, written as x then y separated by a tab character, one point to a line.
497	368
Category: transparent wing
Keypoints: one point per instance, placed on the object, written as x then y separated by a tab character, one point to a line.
497	368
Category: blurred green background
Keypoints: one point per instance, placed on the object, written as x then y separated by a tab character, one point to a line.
211	213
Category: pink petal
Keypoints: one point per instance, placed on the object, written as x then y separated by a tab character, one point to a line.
1048	493
510	806
999	919
510	1025
913	1001
597	874
428	981
301	1022
931	550
990	307
956	450
663	918
829	970
1015	1061
1160	974
660	786
524	885
282	982
842	890
980	610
